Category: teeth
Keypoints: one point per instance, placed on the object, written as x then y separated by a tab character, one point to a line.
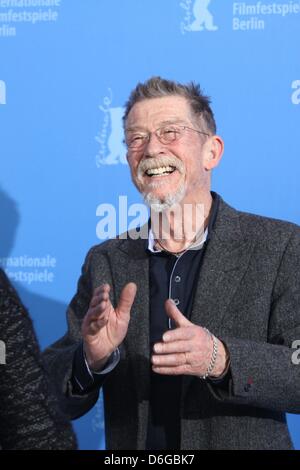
160	171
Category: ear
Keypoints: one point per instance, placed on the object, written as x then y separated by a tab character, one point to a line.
214	152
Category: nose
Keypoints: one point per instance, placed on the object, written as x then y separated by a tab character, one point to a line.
153	146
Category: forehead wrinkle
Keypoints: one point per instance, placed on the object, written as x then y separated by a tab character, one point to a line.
174	120
165	122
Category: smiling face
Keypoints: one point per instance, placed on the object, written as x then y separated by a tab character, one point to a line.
169	173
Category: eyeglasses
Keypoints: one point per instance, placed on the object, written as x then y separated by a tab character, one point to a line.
166	135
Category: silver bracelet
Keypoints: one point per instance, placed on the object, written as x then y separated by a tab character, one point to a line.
213	356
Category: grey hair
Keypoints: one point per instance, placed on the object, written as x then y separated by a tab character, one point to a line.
157	87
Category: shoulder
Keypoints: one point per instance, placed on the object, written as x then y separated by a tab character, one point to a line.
273	233
268	228
132	242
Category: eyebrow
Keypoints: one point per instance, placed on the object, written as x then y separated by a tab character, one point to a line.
162	123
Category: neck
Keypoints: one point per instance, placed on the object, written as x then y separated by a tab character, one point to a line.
180	226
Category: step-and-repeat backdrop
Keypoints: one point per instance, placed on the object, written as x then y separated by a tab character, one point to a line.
66	69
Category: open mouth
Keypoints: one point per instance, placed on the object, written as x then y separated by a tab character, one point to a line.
160	171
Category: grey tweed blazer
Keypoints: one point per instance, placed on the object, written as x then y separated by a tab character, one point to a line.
248	295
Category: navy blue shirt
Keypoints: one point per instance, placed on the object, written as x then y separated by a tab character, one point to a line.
175	277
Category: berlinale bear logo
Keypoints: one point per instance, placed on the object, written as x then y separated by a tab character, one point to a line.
203	19
2	92
111	137
115	142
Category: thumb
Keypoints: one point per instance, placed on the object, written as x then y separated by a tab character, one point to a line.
126	299
175	314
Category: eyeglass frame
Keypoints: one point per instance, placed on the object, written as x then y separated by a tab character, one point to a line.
147	135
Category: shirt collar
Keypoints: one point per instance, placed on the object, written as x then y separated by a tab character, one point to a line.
196	245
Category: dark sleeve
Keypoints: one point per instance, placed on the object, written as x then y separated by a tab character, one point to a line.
64	356
83	379
30	417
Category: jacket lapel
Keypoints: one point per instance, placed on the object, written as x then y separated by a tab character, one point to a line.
225	261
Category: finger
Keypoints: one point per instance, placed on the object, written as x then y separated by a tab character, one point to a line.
170	360
98	298
99	293
95	312
172	347
126	299
177	370
95	301
91	326
175	314
102	288
178	334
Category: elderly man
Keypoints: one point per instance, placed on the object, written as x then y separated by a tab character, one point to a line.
191	337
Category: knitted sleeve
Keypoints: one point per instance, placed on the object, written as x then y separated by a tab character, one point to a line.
30	417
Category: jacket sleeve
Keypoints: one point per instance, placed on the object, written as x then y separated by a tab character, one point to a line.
30	417
65	355
268	374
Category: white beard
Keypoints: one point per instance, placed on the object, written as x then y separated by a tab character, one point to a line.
162	204
167	201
